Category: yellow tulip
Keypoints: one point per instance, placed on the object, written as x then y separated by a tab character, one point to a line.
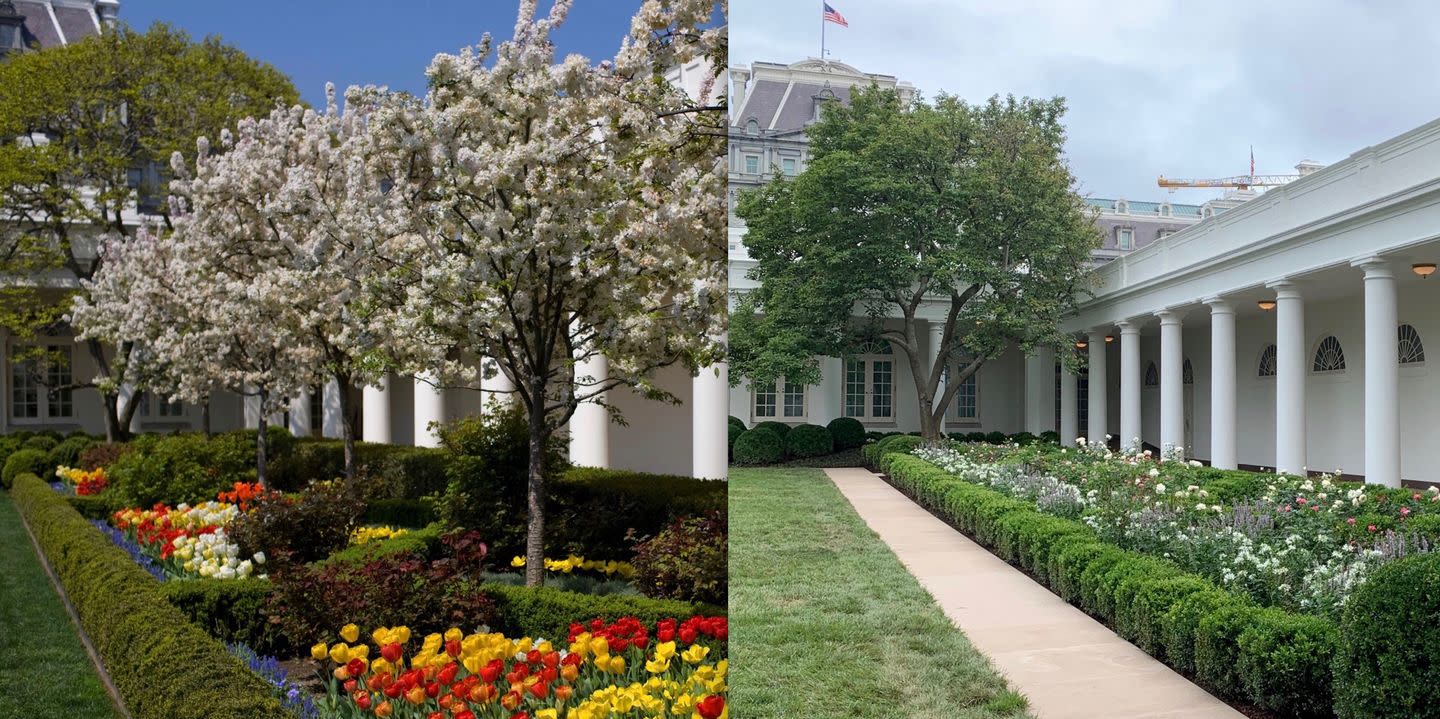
664	651
695	654
319	651
547	714
657	666
453	635
517	562
339	653
400	634
350	633
617	664
360	650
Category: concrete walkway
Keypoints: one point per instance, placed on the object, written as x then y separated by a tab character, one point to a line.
1068	664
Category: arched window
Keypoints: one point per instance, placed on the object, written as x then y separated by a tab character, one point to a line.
1122	207
870	381
1187	373
1267	362
1152	376
1329	356
1412	350
1165	209
752	127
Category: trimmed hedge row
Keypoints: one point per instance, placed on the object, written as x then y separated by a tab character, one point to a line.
546	612
164	666
1274	659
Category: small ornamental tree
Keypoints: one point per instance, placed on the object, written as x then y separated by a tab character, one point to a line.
560	210
944	211
87	130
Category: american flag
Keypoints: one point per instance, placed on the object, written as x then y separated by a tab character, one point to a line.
835	17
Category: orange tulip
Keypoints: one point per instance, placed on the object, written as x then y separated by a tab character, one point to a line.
384	709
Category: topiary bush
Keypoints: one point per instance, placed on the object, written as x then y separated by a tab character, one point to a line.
996	438
687	560
231	610
67	454
42	442
847	432
761	445
1023	438
809	440
1385	665
24	461
737	422
734	434
1049	436
779	428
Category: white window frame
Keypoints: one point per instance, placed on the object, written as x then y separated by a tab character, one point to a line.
866	363
952	413
1129	234
780	389
789	166
747	159
42	396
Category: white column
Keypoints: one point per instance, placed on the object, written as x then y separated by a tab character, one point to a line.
300	415
375	406
1040	390
1382	374
1222	383
429	408
1069	409
1099	401
937	329
332	424
1172	393
1129	385
498	388
590	425
1290	356
709	406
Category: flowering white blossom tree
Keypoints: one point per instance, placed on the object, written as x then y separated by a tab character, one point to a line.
562	210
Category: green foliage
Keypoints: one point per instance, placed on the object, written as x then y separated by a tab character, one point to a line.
1386	666
734	421
779	428
1285	663
399	512
809	440
25	461
164	666
547	612
231	610
734	433
95	506
102	454
180	468
42	442
760	445
595	512
417	542
847	432
895	443
687	560
905	201
302	528
67	452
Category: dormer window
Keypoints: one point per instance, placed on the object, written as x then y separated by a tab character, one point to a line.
12	29
1122	207
1207	212
1165	209
752	127
1124	238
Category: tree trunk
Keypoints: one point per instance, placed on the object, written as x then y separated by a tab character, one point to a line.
112	418
205	417
535	488
261	441
347	427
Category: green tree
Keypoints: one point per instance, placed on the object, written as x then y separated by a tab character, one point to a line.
90	128
938	211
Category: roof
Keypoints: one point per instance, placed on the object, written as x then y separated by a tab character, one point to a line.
1136	207
784	98
50	23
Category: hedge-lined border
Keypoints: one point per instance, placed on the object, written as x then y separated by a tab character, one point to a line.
164	666
1276	660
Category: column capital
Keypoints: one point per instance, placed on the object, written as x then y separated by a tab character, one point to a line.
1097	335
1169	316
1129	326
1286	289
1375	267
1219	305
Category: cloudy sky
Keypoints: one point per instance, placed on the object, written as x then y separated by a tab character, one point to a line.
1181	88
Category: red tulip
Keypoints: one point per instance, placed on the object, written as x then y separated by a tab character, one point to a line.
356	667
510	700
467	714
362	700
539	690
563	692
452	647
490	672
432	689
392	652
447	674
711	706
349	685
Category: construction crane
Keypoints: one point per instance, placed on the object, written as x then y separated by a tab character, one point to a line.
1242	182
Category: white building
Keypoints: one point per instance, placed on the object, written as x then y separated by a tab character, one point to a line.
687	439
1287	331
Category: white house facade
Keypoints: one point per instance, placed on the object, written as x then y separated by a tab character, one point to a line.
1284	330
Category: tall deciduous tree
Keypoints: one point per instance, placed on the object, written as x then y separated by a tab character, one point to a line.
956	213
89	127
563	210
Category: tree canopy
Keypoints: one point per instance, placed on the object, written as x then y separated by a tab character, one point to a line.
941	212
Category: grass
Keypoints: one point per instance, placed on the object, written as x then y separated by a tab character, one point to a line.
826	622
44	671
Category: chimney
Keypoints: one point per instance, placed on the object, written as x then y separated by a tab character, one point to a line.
739	78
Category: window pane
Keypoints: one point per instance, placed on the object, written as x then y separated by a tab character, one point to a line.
788	165
855	388
24	389
317	411
880	390
765	400
752	164
57	374
966	405
170	407
794	400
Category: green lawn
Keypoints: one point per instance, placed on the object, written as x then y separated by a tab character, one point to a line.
44	671
826	622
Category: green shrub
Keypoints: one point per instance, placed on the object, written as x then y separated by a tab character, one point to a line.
779	428
41	442
95	506
418	542
24	461
67	454
413	513
736	422
180	468
687	560
1180	624
1426	525
847	432
231	610
547	612
1050	436
1285	663
1217	647
1142	618
809	440
410	473
1386	666
761	445
164	666
596	512
734	433
977	437
996	438
1023	438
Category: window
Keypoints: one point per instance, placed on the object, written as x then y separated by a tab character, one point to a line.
169	407
1165	209
752	127
966	405
787	165
780	399
1162	234
1267	362
1329	356
1152	375
1122	207
31	380
1124	238
1187	373
1082	399
317	411
1412	350
752	164
870	382
765	400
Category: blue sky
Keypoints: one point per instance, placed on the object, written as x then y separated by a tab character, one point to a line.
369	41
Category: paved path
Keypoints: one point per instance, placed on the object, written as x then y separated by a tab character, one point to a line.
1068	664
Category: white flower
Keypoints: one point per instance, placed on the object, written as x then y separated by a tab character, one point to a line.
1160	489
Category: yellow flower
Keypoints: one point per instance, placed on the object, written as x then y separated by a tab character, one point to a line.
360	650
664	651
517	562
400	634
617	664
547	714
339	653
657	666
350	633
598	646
381	666
454	635
695	654
319	651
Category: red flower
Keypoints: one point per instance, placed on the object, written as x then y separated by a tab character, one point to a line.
392	652
490	672
711	706
447	673
467	714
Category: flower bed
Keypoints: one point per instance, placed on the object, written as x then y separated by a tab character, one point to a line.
1296	543
624	668
85	483
189	542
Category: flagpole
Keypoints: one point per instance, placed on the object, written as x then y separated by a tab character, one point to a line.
822	30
